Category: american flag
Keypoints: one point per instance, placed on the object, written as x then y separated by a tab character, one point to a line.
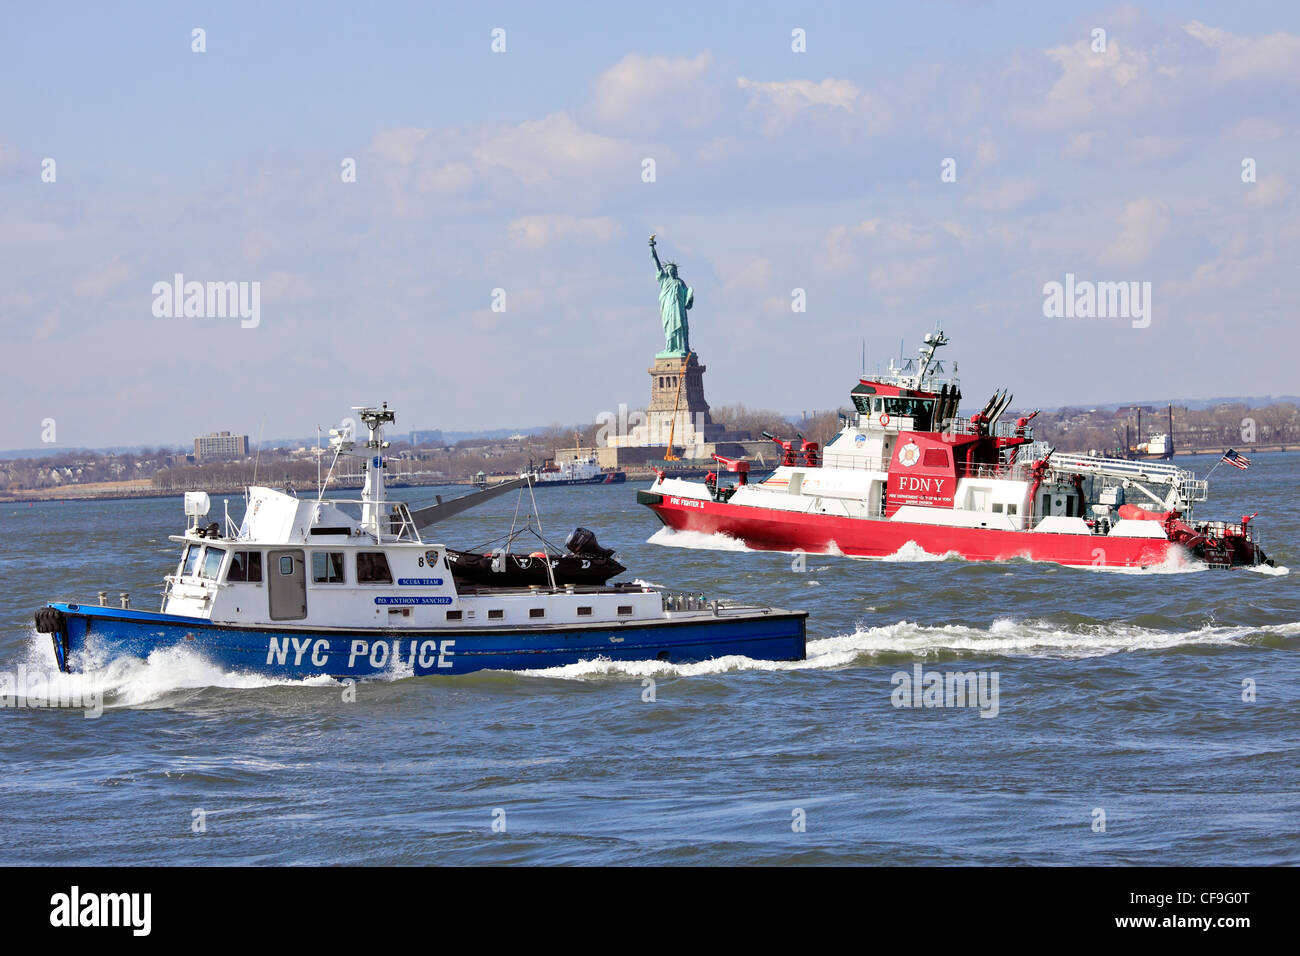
1233	458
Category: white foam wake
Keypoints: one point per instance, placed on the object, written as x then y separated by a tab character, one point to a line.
132	682
1177	561
1004	638
1277	571
911	551
699	540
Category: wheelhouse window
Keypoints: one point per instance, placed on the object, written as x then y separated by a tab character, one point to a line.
190	563
920	410
246	566
372	568
327	567
212	558
861	396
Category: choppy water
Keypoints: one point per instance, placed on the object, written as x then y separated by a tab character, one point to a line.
1116	692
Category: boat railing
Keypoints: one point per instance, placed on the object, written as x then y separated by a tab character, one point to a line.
1001	429
392	520
892	423
1225	529
998	471
856	462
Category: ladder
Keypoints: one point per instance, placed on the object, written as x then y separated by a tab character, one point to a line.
1187	486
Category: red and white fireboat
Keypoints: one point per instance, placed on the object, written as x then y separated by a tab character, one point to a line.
907	475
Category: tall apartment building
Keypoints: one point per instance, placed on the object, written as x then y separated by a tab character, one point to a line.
220	445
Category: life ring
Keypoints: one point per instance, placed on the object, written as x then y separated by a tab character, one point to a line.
884	419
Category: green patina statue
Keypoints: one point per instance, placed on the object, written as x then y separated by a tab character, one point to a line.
675	297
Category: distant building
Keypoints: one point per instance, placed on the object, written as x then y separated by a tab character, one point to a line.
220	445
427	437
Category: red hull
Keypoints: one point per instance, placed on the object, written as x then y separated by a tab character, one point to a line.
767	529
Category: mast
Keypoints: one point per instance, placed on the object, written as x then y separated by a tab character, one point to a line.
932	342
372	493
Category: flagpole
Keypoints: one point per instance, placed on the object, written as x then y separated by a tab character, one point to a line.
1216	465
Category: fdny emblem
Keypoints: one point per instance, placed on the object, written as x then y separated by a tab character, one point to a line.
909	454
859	440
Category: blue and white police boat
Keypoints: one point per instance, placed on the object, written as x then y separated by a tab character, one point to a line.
304	587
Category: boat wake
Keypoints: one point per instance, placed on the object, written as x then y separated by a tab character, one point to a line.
1175	562
911	551
698	540
1004	638
132	682
169	673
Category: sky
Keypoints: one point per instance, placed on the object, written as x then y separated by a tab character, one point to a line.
915	164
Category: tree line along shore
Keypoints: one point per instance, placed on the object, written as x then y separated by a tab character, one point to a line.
79	474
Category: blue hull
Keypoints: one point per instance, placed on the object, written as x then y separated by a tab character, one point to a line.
307	652
617	478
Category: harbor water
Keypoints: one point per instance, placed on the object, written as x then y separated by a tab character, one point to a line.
1121	718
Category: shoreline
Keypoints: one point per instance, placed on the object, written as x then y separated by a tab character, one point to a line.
61	496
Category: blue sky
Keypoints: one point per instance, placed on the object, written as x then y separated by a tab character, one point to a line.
521	170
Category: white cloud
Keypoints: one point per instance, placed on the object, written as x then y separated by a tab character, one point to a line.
755	275
1224	272
1241	57
1154	149
1116	81
891	236
1081	144
1143	223
98	284
647	91
449	177
11	160
783	100
541	150
1268	191
1255	129
537	231
400	146
1003	196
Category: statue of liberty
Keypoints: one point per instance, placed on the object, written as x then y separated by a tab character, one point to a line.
675	297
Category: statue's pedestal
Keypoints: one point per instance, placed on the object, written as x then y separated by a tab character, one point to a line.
677	409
